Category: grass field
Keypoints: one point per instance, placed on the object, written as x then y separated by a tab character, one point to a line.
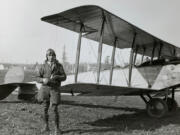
87	115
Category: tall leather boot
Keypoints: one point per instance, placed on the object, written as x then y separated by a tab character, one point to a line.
56	120
46	117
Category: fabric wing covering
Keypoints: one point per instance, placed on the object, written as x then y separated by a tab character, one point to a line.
91	18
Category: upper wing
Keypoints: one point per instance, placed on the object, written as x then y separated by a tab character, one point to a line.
90	17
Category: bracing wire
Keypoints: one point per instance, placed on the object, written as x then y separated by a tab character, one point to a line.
94	54
103	76
123	70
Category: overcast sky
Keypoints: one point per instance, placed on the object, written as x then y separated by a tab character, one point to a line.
25	38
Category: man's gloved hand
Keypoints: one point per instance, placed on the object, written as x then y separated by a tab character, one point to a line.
56	77
45	80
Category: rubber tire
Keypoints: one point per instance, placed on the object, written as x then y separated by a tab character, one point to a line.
152	109
169	102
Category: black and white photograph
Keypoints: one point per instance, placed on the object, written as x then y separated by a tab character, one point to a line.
89	67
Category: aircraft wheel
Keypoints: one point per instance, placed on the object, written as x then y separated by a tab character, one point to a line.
157	108
172	104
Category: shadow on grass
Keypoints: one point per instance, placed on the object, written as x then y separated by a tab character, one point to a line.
18	101
136	120
128	122
101	106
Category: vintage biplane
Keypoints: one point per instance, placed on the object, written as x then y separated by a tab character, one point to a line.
92	22
97	24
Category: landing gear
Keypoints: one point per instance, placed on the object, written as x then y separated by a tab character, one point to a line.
156	108
171	103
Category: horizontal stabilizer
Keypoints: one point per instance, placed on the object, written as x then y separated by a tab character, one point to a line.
6	89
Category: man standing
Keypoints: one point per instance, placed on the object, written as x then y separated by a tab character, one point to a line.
50	74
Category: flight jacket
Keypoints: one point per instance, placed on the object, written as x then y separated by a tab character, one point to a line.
54	73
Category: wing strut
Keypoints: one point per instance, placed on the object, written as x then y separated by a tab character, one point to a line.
135	55
131	60
160	48
100	50
78	55
112	60
174	52
153	51
144	49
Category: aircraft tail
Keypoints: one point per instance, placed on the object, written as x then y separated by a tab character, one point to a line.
14	75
